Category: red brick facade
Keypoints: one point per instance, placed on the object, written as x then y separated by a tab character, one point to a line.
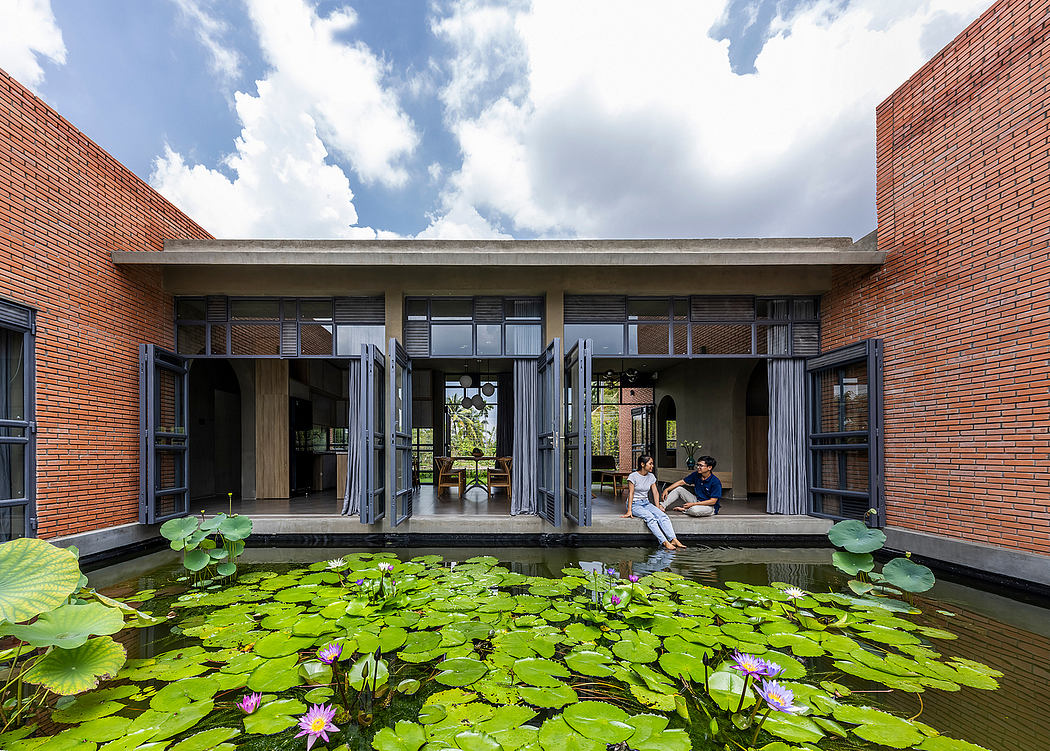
963	300
64	205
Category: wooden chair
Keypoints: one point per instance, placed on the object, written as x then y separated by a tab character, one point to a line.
416	482
446	477
499	476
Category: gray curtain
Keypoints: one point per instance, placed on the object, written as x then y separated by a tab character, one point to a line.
787	438
352	491
524	468
504	414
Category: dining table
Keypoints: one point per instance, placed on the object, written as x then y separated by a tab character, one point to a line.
476	482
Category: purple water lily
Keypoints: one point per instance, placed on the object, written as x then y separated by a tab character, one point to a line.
360	582
633	578
329	653
614	599
249	703
754	667
316	723
610	571
778	697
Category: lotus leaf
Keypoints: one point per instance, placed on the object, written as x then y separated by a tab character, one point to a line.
68	626
273	716
176	695
235	527
852	563
35	577
226	569
177	529
540	672
275	675
908	575
207	740
195	560
856	537
556	735
71	671
548	698
405	736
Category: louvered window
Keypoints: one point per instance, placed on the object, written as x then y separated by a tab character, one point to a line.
482	326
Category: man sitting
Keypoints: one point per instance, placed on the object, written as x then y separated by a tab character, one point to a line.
705	500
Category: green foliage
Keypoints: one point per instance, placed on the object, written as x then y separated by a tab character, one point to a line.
479	657
35	577
899	576
216	542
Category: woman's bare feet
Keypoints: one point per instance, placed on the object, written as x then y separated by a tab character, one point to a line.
670	546
676	543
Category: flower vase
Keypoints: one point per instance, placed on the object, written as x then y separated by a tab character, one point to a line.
690	463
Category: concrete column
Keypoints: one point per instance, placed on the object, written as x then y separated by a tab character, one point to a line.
554	315
395	314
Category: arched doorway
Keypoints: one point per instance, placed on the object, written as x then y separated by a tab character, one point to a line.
214	430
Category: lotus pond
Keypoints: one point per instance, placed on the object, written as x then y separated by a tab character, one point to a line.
603	649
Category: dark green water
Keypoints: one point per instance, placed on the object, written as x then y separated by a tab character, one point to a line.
1005	633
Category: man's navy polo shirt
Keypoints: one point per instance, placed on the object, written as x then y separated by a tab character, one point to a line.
705	489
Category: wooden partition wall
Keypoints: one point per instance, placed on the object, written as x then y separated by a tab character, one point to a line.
271	429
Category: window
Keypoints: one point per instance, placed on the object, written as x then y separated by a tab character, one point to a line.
697	326
17	425
473	326
219	326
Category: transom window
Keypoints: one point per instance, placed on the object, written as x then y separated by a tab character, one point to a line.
697	326
473	326
219	326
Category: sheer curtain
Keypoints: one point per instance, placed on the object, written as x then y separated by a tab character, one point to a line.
526	454
787	438
352	491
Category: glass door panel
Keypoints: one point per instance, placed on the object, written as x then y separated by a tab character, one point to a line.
577	408
400	422
548	427
164	443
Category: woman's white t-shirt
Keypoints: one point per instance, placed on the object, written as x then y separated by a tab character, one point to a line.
642	483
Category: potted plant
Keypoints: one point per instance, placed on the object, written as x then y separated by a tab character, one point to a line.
691	447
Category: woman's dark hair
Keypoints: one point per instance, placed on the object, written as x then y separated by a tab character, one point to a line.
643	460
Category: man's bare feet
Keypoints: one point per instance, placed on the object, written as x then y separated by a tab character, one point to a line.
676	543
670	546
678	508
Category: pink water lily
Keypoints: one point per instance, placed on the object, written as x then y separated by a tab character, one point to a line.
249	703
316	723
329	653
614	599
778	697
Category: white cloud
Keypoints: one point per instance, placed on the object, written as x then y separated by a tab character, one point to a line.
626	119
28	32
211	32
322	94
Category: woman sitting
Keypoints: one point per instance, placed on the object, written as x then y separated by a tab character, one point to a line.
640	485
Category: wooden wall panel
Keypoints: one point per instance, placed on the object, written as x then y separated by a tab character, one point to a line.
271	429
757	454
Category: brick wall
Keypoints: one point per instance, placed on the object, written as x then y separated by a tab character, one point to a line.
64	205
963	300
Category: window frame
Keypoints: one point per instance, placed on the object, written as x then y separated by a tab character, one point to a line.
426	320
22	319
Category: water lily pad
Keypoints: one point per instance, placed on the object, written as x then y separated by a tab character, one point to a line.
101	730
174	696
551	697
430	714
540	672
35	577
275	675
279	644
943	743
461	671
207	740
725	687
67	626
634	650
794	728
274	716
557	735
588	662
908	575
405	736
73	671
315	672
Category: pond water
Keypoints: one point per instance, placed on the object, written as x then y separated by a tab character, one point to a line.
1005	633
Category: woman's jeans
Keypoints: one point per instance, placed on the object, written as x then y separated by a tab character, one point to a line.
655	519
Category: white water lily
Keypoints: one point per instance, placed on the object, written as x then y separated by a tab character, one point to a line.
336	562
794	593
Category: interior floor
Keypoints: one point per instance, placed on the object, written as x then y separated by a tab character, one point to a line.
427	502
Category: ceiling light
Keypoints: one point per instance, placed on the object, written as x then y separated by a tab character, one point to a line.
465	381
488	389
478	401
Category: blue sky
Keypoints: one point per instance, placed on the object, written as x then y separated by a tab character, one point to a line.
467	118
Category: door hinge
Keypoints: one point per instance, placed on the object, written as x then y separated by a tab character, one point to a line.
32	427
33	524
